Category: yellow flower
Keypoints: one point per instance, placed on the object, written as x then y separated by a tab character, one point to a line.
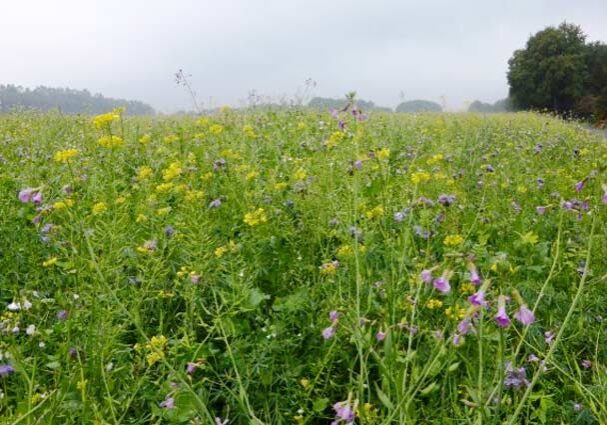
154	357
145	139
220	251
141	218
216	129
453	240
163	212
66	155
281	186
99	208
345	251
256	217
529	238
50	262
378	211
120	200
164	187
144	172
420	177
434	159
334	139
252	174
111	142
170	139
249	131
301	125
329	268
300	174
383	153
434	303
467	288
173	170
105	120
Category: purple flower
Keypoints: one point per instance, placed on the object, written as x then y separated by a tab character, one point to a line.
62	315
605	197
442	284
524	315
478	299
25	195
195	279
344	412
168	403
421	232
586	364
215	203
515	377
358	164
533	358
333	315
456	339
501	317
579	185
37	198
426	276
568	205
446	200
5	370
328	333
465	326
334	113
380	336
548	337
341	125
475	278
169	231
540	210
191	368
150	245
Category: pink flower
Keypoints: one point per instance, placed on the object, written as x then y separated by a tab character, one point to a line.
333	315
380	336
168	403
524	315
426	276
478	299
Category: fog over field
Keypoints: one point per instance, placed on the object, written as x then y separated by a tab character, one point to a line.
384	49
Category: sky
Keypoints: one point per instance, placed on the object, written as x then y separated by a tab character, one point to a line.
385	50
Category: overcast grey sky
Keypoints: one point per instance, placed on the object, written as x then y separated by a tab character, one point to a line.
132	48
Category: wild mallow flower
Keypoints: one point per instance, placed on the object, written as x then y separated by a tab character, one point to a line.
441	284
328	333
5	370
515	378
501	317
524	315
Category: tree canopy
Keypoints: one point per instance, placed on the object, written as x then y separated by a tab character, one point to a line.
557	70
67	100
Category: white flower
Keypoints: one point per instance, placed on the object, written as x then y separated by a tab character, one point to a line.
27	305
31	329
15	330
14	306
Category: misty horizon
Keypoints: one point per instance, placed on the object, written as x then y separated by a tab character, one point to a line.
438	51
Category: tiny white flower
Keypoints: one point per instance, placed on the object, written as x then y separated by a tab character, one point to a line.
15	330
27	305
31	329
41	344
14	306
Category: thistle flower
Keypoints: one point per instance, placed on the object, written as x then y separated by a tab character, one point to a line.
501	317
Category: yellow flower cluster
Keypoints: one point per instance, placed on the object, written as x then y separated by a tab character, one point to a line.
256	217
99	208
66	155
434	303
435	159
453	240
172	171
378	211
216	129
61	205
104	120
249	131
334	139
300	174
420	177
156	349
145	139
383	153
229	247
144	172
111	141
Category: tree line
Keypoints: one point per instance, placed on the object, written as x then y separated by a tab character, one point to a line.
66	100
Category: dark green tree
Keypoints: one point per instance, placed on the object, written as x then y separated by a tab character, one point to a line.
550	72
419	106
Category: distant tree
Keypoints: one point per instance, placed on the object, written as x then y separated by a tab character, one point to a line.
501	105
67	100
549	73
419	106
327	103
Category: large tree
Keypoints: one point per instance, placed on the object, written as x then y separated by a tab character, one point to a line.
550	72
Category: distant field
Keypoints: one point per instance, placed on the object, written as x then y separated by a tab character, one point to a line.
302	268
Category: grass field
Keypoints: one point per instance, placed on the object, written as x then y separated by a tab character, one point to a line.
295	267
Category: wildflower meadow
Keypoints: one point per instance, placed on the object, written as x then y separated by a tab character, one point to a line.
297	267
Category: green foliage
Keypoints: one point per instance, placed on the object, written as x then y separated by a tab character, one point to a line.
502	105
419	106
185	269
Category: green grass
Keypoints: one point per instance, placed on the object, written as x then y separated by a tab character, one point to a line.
132	274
